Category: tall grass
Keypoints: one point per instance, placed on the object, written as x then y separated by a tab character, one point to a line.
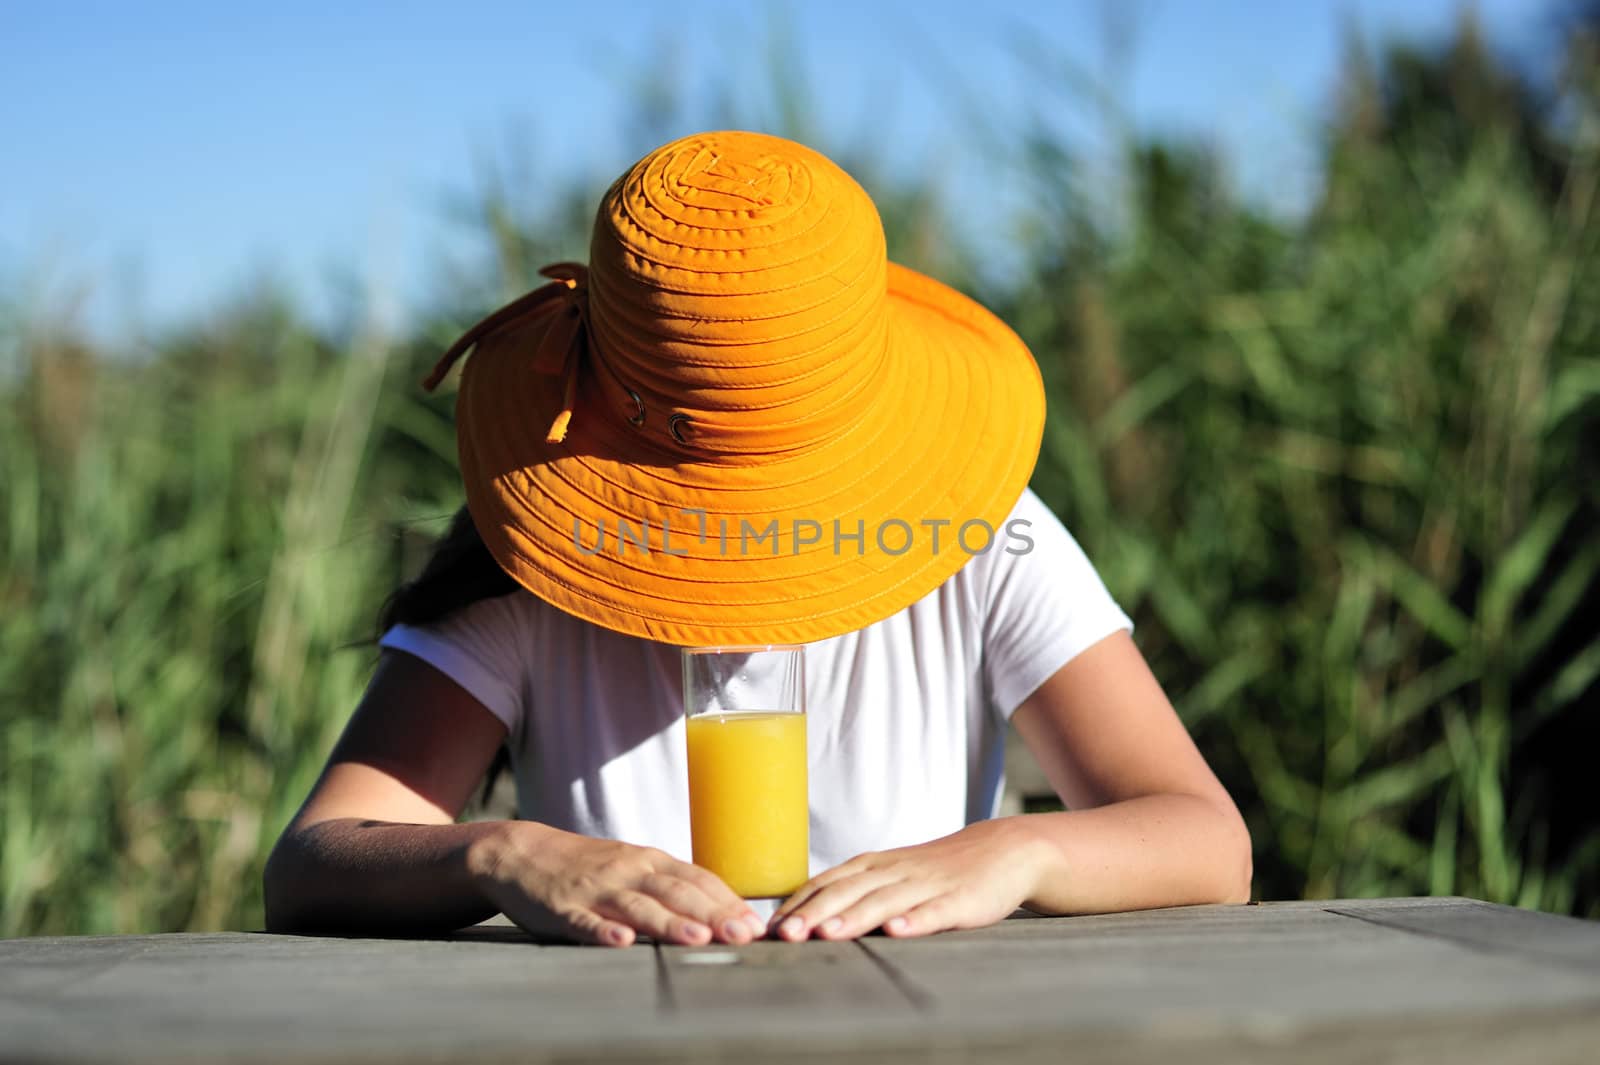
1345	475
1340	469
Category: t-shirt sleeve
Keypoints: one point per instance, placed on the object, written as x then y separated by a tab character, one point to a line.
1046	604
478	647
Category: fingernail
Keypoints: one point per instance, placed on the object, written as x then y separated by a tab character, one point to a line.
757	927
794	927
897	924
693	931
616	935
832	925
734	930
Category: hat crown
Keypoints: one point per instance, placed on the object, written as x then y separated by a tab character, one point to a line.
738	288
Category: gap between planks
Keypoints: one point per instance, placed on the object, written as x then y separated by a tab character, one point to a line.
921	1000
1392	921
666	1002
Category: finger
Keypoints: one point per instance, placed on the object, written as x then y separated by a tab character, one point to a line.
821	911
784	918
805	892
878	906
714	886
586	926
570	922
731	924
644	914
730	905
937	914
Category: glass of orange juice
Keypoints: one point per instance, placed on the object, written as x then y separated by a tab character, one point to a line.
749	814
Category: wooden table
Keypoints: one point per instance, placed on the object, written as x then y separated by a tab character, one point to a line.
1428	980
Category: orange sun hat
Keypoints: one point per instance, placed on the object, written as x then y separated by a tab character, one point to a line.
741	424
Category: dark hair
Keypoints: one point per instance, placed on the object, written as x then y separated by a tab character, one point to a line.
460	572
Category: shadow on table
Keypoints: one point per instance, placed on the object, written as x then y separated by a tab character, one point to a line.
501	929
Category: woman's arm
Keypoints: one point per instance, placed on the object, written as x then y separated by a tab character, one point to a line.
376	846
1147	822
1148	825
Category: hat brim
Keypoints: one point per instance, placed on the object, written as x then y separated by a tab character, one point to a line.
953	439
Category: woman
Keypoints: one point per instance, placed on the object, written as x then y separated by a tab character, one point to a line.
741	425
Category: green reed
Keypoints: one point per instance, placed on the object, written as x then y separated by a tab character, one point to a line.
1343	474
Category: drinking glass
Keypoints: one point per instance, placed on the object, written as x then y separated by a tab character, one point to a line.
749	815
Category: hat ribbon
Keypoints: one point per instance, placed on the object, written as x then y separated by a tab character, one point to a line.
560	347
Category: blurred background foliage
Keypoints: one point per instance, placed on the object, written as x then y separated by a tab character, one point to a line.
1340	467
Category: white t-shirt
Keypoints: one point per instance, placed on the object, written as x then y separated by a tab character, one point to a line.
906	723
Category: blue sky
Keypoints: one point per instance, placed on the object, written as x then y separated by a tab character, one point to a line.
161	157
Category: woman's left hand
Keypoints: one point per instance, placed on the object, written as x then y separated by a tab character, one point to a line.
968	879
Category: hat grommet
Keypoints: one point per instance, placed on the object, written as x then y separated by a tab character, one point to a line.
676	425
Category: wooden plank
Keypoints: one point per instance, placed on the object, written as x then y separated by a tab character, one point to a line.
1553	1038
1487	927
250	997
781	995
1219	967
813	977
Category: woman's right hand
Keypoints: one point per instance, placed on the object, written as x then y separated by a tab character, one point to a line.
603	891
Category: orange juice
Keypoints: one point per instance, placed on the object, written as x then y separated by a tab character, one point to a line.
748	811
